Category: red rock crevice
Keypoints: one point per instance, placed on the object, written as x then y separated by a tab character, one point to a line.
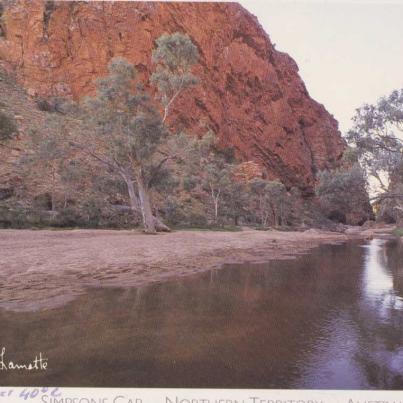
250	94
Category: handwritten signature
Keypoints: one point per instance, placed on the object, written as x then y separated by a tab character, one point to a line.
39	363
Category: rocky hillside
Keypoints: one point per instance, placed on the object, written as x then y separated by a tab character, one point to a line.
14	102
250	94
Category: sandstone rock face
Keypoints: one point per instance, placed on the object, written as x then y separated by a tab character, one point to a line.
249	94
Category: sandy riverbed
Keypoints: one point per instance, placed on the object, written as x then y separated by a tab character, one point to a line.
45	269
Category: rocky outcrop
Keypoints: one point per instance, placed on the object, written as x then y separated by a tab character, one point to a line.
249	94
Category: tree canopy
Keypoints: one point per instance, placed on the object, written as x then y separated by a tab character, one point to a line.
377	134
124	124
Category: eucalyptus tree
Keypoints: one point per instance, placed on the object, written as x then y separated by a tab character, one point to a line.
236	201
271	202
377	134
126	132
174	56
343	191
209	171
45	159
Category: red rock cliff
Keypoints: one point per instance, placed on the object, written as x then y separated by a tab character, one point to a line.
250	94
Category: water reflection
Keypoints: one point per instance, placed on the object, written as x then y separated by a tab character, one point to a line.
381	310
378	283
326	320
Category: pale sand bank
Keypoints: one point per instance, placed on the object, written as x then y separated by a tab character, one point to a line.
45	269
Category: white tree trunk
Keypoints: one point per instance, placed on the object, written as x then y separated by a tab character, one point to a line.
145	207
134	205
216	210
216	197
142	203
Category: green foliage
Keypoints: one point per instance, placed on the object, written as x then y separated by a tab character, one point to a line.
209	177
334	185
8	127
270	201
235	201
174	56
176	52
42	201
2	22
125	121
398	232
197	219
128	137
11	217
45	162
208	171
377	136
189	183
350	156
182	211
342	192
126	133
52	104
87	216
104	162
173	212
390	206
121	130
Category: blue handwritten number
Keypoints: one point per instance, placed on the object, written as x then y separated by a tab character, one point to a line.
56	392
34	393
24	394
31	394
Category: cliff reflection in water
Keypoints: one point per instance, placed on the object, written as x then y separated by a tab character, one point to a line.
330	319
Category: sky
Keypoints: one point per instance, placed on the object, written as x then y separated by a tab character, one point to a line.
349	52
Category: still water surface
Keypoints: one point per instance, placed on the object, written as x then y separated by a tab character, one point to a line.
330	319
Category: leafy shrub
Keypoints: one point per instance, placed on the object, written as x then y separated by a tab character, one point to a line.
390	210
6	193
43	202
8	127
197	220
22	218
343	195
173	212
44	105
68	217
2	23
51	105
